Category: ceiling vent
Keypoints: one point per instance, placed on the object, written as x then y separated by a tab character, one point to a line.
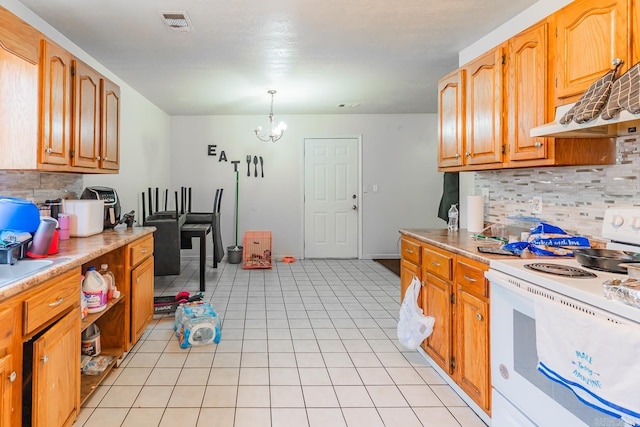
177	21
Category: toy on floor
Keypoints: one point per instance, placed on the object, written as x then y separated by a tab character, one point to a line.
169	304
196	324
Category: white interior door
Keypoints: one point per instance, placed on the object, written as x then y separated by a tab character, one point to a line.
331	198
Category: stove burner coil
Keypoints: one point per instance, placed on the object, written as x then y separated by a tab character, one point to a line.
560	270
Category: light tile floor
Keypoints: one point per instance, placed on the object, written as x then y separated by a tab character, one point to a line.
312	343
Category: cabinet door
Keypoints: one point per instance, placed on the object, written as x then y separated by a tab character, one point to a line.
527	93
590	35
635	32
484	109
472	347
141	298
9	384
110	138
7	379
436	302
407	271
56	373
451	119
55	104
86	114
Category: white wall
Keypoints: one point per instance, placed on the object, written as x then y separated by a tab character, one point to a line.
144	128
398	154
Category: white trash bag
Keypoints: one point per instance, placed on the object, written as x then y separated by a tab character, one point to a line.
413	326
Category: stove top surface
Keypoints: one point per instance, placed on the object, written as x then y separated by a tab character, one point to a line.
588	290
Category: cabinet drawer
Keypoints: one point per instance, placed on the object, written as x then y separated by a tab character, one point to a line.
410	251
52	298
438	263
140	250
470	277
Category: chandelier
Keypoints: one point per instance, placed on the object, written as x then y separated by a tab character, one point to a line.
275	132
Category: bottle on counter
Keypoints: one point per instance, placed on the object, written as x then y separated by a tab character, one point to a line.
453	218
110	279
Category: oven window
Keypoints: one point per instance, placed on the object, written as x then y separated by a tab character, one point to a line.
525	361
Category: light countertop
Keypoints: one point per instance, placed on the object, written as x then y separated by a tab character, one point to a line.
75	252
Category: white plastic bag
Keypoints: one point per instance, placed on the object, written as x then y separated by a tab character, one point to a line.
413	326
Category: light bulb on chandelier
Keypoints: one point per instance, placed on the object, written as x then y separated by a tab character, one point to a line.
275	131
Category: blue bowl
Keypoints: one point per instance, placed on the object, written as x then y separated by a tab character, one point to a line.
18	214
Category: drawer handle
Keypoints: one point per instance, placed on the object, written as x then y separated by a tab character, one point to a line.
12	376
56	302
143	250
469	279
435	264
479	316
409	251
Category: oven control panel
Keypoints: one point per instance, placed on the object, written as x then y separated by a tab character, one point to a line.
622	225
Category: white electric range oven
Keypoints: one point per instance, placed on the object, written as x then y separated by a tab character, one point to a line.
521	395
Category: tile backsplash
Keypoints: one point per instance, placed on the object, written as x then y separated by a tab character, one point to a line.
573	198
40	186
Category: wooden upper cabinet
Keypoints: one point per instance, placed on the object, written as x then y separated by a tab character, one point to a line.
590	34
451	119
110	138
18	37
55	104
86	115
527	93
635	32
484	131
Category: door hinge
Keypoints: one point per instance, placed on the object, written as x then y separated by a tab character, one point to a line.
73	70
504	59
504	149
72	153
556	32
453	363
452	299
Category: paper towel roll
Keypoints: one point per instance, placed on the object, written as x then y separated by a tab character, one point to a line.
475	213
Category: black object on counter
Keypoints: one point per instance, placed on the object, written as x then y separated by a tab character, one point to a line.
605	259
450	194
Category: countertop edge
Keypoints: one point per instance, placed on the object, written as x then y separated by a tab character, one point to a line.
460	242
74	253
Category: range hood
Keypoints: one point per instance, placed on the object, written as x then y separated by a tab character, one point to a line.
623	124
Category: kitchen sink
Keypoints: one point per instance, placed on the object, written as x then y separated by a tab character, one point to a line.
24	268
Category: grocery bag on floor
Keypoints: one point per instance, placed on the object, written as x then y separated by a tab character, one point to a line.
196	324
413	326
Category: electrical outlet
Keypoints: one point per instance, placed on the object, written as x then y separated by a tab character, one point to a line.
536	204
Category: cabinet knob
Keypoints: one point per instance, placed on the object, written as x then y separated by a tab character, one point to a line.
45	358
13	376
616	61
457	156
354	207
98	158
49	150
467	154
538	144
479	316
105	159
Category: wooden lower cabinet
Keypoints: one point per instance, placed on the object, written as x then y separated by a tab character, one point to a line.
56	373
455	293
436	302
141	297
10	387
409	264
472	347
